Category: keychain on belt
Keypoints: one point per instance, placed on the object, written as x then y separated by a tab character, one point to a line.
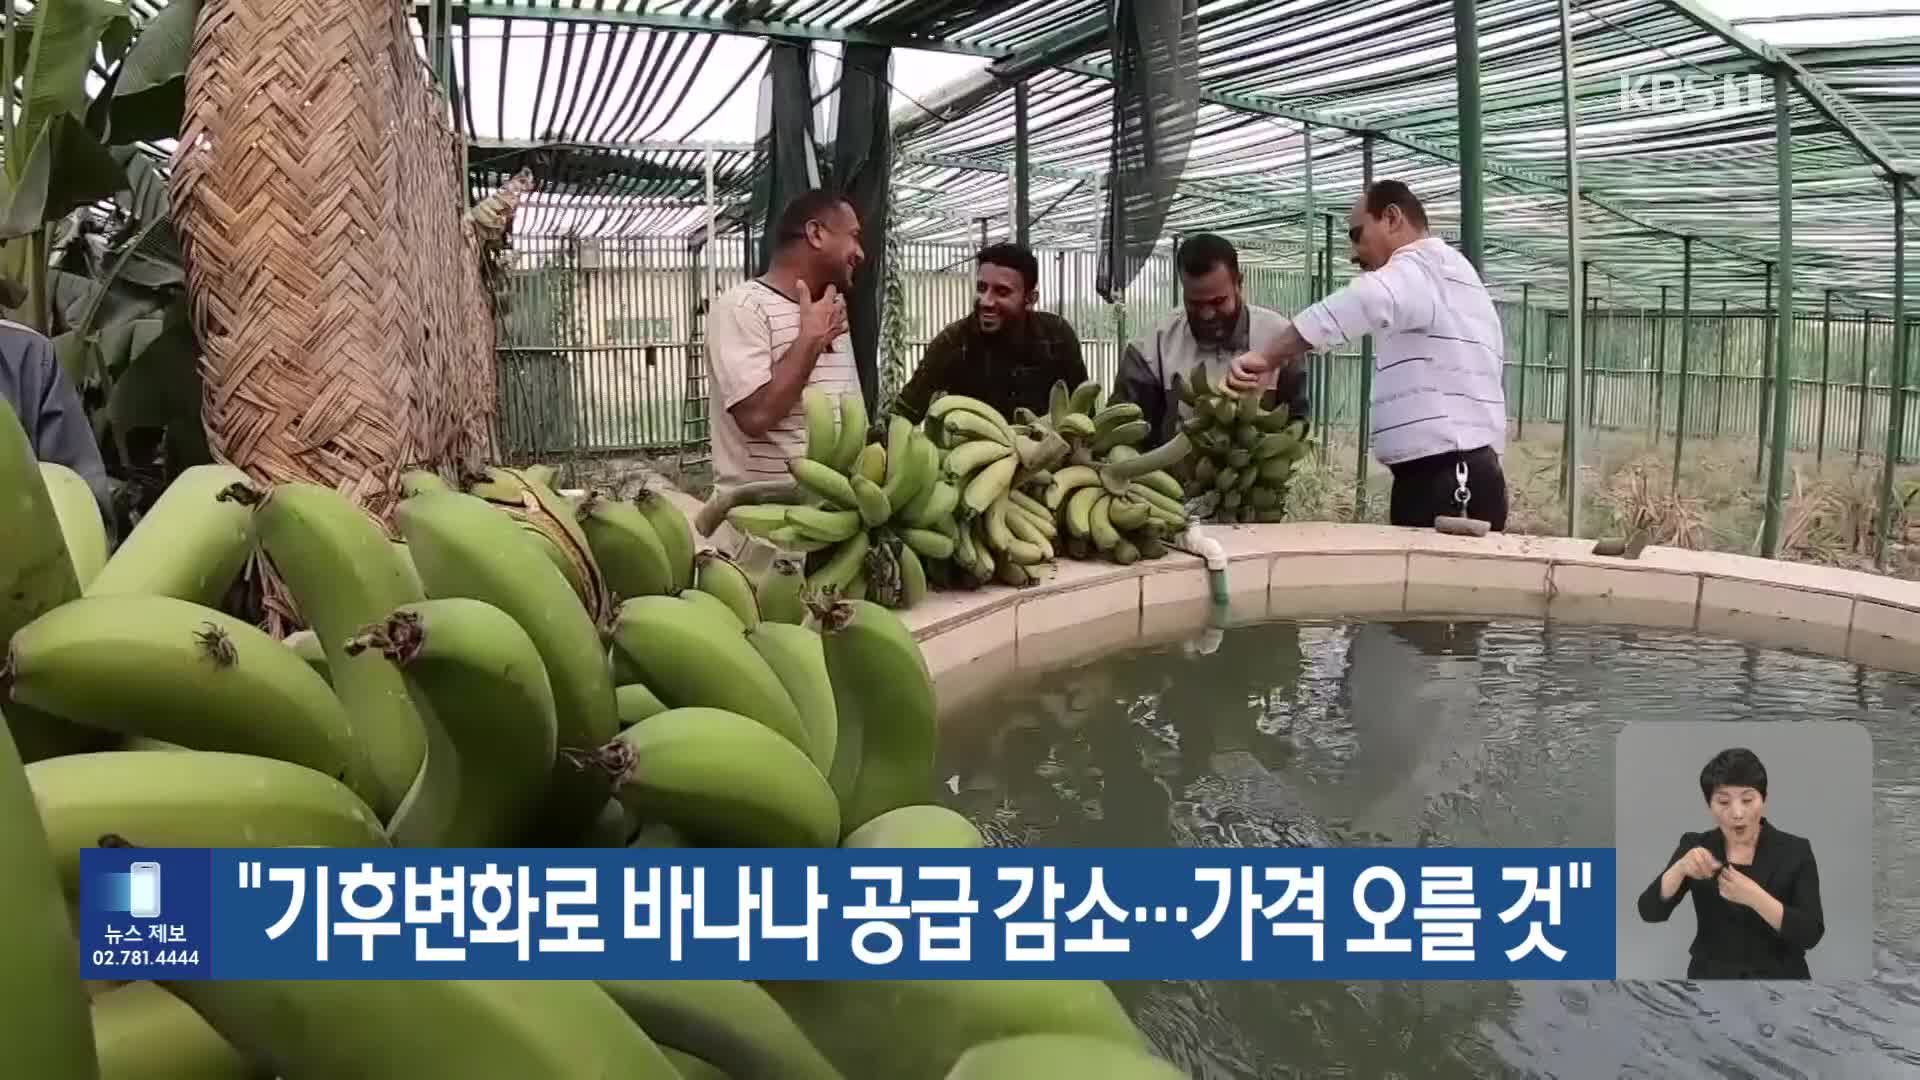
1460	524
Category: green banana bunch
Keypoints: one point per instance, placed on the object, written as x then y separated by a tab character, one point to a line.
947	1018
1244	453
627	548
720	577
884	704
925	826
173	670
46	1029
343	574
322	1029
464	548
723	780
192	798
1060	1057
191	545
36	575
735	1026
479	679
78	514
141	1032
673	529
796	655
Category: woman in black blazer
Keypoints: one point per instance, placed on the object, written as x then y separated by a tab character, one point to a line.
1755	888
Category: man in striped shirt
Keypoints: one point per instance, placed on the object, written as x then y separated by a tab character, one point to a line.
771	337
1439	401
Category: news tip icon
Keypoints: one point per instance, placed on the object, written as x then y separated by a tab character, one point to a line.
135	893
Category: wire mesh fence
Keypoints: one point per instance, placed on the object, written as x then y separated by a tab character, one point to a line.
601	350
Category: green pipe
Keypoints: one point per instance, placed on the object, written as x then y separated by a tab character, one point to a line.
1466	67
1720	380
1576	270
1860	413
1897	385
1686	338
1022	166
1783	319
1826	372
1660	368
1366	363
1520	422
1326	362
1763	399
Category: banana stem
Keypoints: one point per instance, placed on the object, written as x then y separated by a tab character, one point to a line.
1167	456
753	494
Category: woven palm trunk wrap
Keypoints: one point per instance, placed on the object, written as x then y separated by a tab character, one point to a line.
335	282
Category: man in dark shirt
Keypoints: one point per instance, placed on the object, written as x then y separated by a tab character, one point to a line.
1008	353
50	411
1755	888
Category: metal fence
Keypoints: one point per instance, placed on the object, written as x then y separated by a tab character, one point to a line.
601	350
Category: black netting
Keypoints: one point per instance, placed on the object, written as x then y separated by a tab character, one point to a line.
1155	103
786	157
862	160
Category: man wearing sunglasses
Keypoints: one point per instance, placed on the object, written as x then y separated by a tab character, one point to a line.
1439	403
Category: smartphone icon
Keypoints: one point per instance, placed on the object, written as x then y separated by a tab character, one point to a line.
143	900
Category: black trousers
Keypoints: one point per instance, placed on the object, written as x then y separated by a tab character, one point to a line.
1423	489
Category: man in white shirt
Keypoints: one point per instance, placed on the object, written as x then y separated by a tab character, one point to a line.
1439	402
771	337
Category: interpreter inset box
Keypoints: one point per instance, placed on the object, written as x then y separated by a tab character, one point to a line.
1745	850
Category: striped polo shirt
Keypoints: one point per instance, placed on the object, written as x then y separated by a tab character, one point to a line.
1438	379
749	328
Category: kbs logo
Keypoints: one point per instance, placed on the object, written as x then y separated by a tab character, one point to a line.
1661	93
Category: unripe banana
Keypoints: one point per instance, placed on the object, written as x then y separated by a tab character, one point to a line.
839	571
1128	513
922	826
962	424
691	658
762	521
1037	548
989	484
822	425
1034	508
940	500
78	515
692	1068
778	594
929	544
330	1029
1116	414
189	799
1121	435
478	676
716	607
870	463
1069	480
629	553
831	526
465	549
611	829
872	499
674	531
657	834
907	458
789	539
1059	401
635	703
1080	510
1078	425
824	481
719	576
45	1026
344	574
190	545
946	404
1100	523
141	1032
913	578
736	1026
1086	398
970	458
795	654
853	430
723	780
946	1017
884	698
173	670
415	481
1060	1057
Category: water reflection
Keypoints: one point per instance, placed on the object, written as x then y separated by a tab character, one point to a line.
1456	734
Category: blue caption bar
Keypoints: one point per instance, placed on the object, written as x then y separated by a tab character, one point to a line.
1353	913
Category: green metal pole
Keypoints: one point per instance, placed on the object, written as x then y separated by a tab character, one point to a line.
1826	372
1660	368
1764	400
1466	67
1576	270
1325	396
1897	384
1313	256
1363	432
1686	352
1783	328
1720	380
1520	421
1022	166
1860	412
